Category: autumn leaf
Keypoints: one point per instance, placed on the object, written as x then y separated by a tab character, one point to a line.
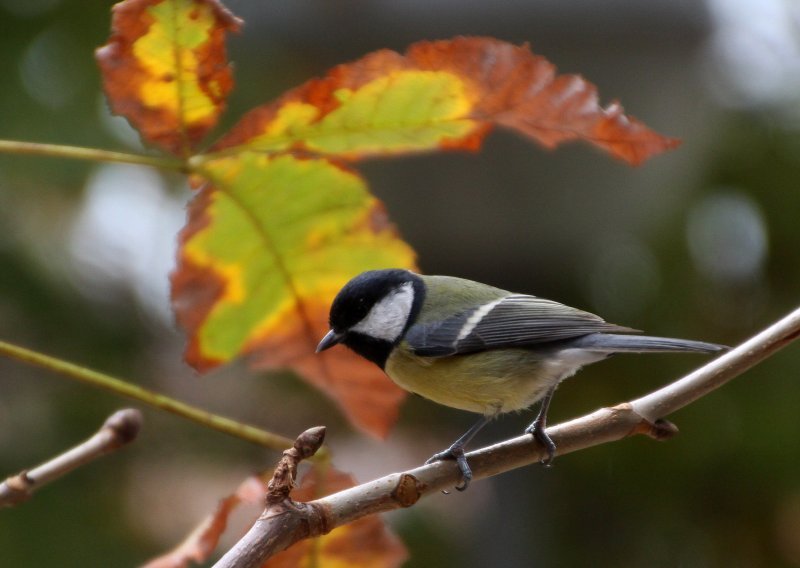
165	69
202	541
268	244
440	95
364	543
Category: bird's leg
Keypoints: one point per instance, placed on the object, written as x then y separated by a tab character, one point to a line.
538	426
456	452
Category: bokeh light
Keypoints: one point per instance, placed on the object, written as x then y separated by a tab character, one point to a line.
727	236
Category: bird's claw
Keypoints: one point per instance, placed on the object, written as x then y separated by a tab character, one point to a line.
537	429
455	453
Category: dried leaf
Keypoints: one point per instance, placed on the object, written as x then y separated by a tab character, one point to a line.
165	69
202	541
365	543
267	246
441	94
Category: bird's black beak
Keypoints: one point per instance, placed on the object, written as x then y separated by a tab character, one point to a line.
331	338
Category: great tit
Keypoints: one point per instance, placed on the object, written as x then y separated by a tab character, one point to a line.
475	347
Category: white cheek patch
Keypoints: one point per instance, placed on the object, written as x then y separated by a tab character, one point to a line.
388	317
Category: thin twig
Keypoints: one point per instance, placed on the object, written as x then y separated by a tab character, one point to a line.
119	429
152	398
641	416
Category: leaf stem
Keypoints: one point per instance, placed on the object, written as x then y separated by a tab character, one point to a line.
157	400
93	154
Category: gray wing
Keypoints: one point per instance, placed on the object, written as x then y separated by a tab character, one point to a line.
516	320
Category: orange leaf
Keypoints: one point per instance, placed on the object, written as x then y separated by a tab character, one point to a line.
165	69
365	543
202	541
441	94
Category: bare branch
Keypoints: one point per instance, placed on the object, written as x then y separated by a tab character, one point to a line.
274	531
118	430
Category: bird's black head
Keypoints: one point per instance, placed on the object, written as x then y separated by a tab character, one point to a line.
373	311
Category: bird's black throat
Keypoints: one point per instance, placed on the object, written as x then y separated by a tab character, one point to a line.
370	348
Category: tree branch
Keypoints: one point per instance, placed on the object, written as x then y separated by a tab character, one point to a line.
118	430
284	523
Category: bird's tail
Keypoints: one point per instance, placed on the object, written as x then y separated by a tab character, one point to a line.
614	343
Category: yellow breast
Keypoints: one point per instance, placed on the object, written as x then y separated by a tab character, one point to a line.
479	382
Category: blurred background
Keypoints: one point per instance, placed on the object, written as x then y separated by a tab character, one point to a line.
700	243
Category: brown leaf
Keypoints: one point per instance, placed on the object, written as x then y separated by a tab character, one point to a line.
201	542
442	94
365	543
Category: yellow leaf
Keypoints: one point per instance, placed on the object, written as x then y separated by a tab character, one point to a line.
268	244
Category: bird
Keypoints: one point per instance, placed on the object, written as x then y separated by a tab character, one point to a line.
477	348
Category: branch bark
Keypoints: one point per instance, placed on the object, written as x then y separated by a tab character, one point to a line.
285	522
118	430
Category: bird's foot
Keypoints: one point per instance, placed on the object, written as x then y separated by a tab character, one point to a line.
455	452
537	428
